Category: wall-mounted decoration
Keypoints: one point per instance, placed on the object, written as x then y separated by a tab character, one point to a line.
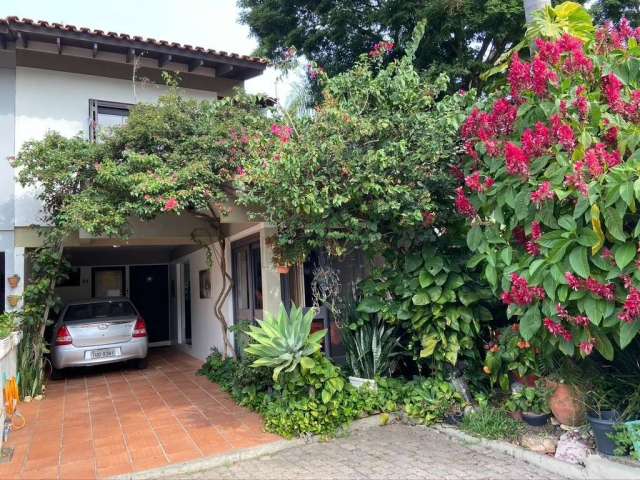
205	283
13	300
13	280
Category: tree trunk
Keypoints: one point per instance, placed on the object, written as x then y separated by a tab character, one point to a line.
531	6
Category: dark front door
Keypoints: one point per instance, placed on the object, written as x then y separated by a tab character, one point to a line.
247	280
149	292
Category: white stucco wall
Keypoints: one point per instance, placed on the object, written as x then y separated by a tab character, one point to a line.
47	100
206	332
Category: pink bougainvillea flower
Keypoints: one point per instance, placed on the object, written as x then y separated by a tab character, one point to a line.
463	205
240	171
283	132
516	160
381	48
170	204
542	194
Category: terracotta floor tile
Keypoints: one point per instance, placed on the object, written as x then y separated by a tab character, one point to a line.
113	421
47	473
149	463
78	470
72	453
113	470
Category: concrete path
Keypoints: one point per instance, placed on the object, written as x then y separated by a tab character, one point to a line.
391	452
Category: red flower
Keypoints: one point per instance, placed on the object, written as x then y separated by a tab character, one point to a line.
463	205
522	294
542	194
631	308
557	329
587	347
574	282
381	48
542	77
536	230
536	143
563	133
612	90
171	204
519	76
516	160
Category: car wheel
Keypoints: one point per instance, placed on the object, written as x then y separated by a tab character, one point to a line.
141	363
57	373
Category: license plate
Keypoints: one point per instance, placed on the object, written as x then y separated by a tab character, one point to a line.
104	353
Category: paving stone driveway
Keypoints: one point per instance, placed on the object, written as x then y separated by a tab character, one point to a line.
394	451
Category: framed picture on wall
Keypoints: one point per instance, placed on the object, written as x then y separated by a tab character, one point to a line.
205	283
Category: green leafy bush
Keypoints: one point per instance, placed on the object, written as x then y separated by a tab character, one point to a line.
530	399
9	321
551	188
427	401
492	423
508	353
433	297
284	341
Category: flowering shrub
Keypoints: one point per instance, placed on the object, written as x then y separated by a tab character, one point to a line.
552	181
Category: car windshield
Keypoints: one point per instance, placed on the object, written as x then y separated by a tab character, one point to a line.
99	310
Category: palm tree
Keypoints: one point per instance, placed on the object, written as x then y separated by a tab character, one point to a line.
531	6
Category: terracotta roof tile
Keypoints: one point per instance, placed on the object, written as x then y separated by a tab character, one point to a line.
150	41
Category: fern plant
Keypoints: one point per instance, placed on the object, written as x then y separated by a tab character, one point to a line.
371	348
284	341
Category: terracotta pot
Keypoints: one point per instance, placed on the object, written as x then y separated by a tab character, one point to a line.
13	300
566	404
528	380
13	281
282	269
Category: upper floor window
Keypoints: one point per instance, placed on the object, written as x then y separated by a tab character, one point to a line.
104	115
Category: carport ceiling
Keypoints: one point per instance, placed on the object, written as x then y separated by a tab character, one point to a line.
126	255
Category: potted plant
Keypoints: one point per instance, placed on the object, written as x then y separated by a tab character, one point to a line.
370	351
567	398
13	280
532	402
603	418
282	269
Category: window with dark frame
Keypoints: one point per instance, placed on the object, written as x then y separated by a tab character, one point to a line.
105	115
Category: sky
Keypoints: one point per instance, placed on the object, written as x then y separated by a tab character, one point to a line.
204	23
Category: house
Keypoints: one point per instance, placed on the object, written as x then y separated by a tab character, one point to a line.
70	80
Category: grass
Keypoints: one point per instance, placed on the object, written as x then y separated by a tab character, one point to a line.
493	424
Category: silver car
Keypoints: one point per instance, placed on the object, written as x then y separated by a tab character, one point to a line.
98	331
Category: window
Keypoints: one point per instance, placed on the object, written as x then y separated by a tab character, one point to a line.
90	311
104	115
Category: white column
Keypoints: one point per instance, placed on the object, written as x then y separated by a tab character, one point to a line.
271	294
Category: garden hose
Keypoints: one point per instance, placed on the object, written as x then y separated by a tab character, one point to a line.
11	398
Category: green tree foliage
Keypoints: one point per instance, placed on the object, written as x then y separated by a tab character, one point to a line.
368	170
463	37
604	10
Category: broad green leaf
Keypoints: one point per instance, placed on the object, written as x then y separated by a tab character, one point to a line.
624	254
604	346
628	331
370	305
421	299
597	229
506	255
613	222
428	346
579	261
530	322
307	362
567	223
425	279
474	238
588	237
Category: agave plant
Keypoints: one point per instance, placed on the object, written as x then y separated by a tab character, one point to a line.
285	341
371	349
